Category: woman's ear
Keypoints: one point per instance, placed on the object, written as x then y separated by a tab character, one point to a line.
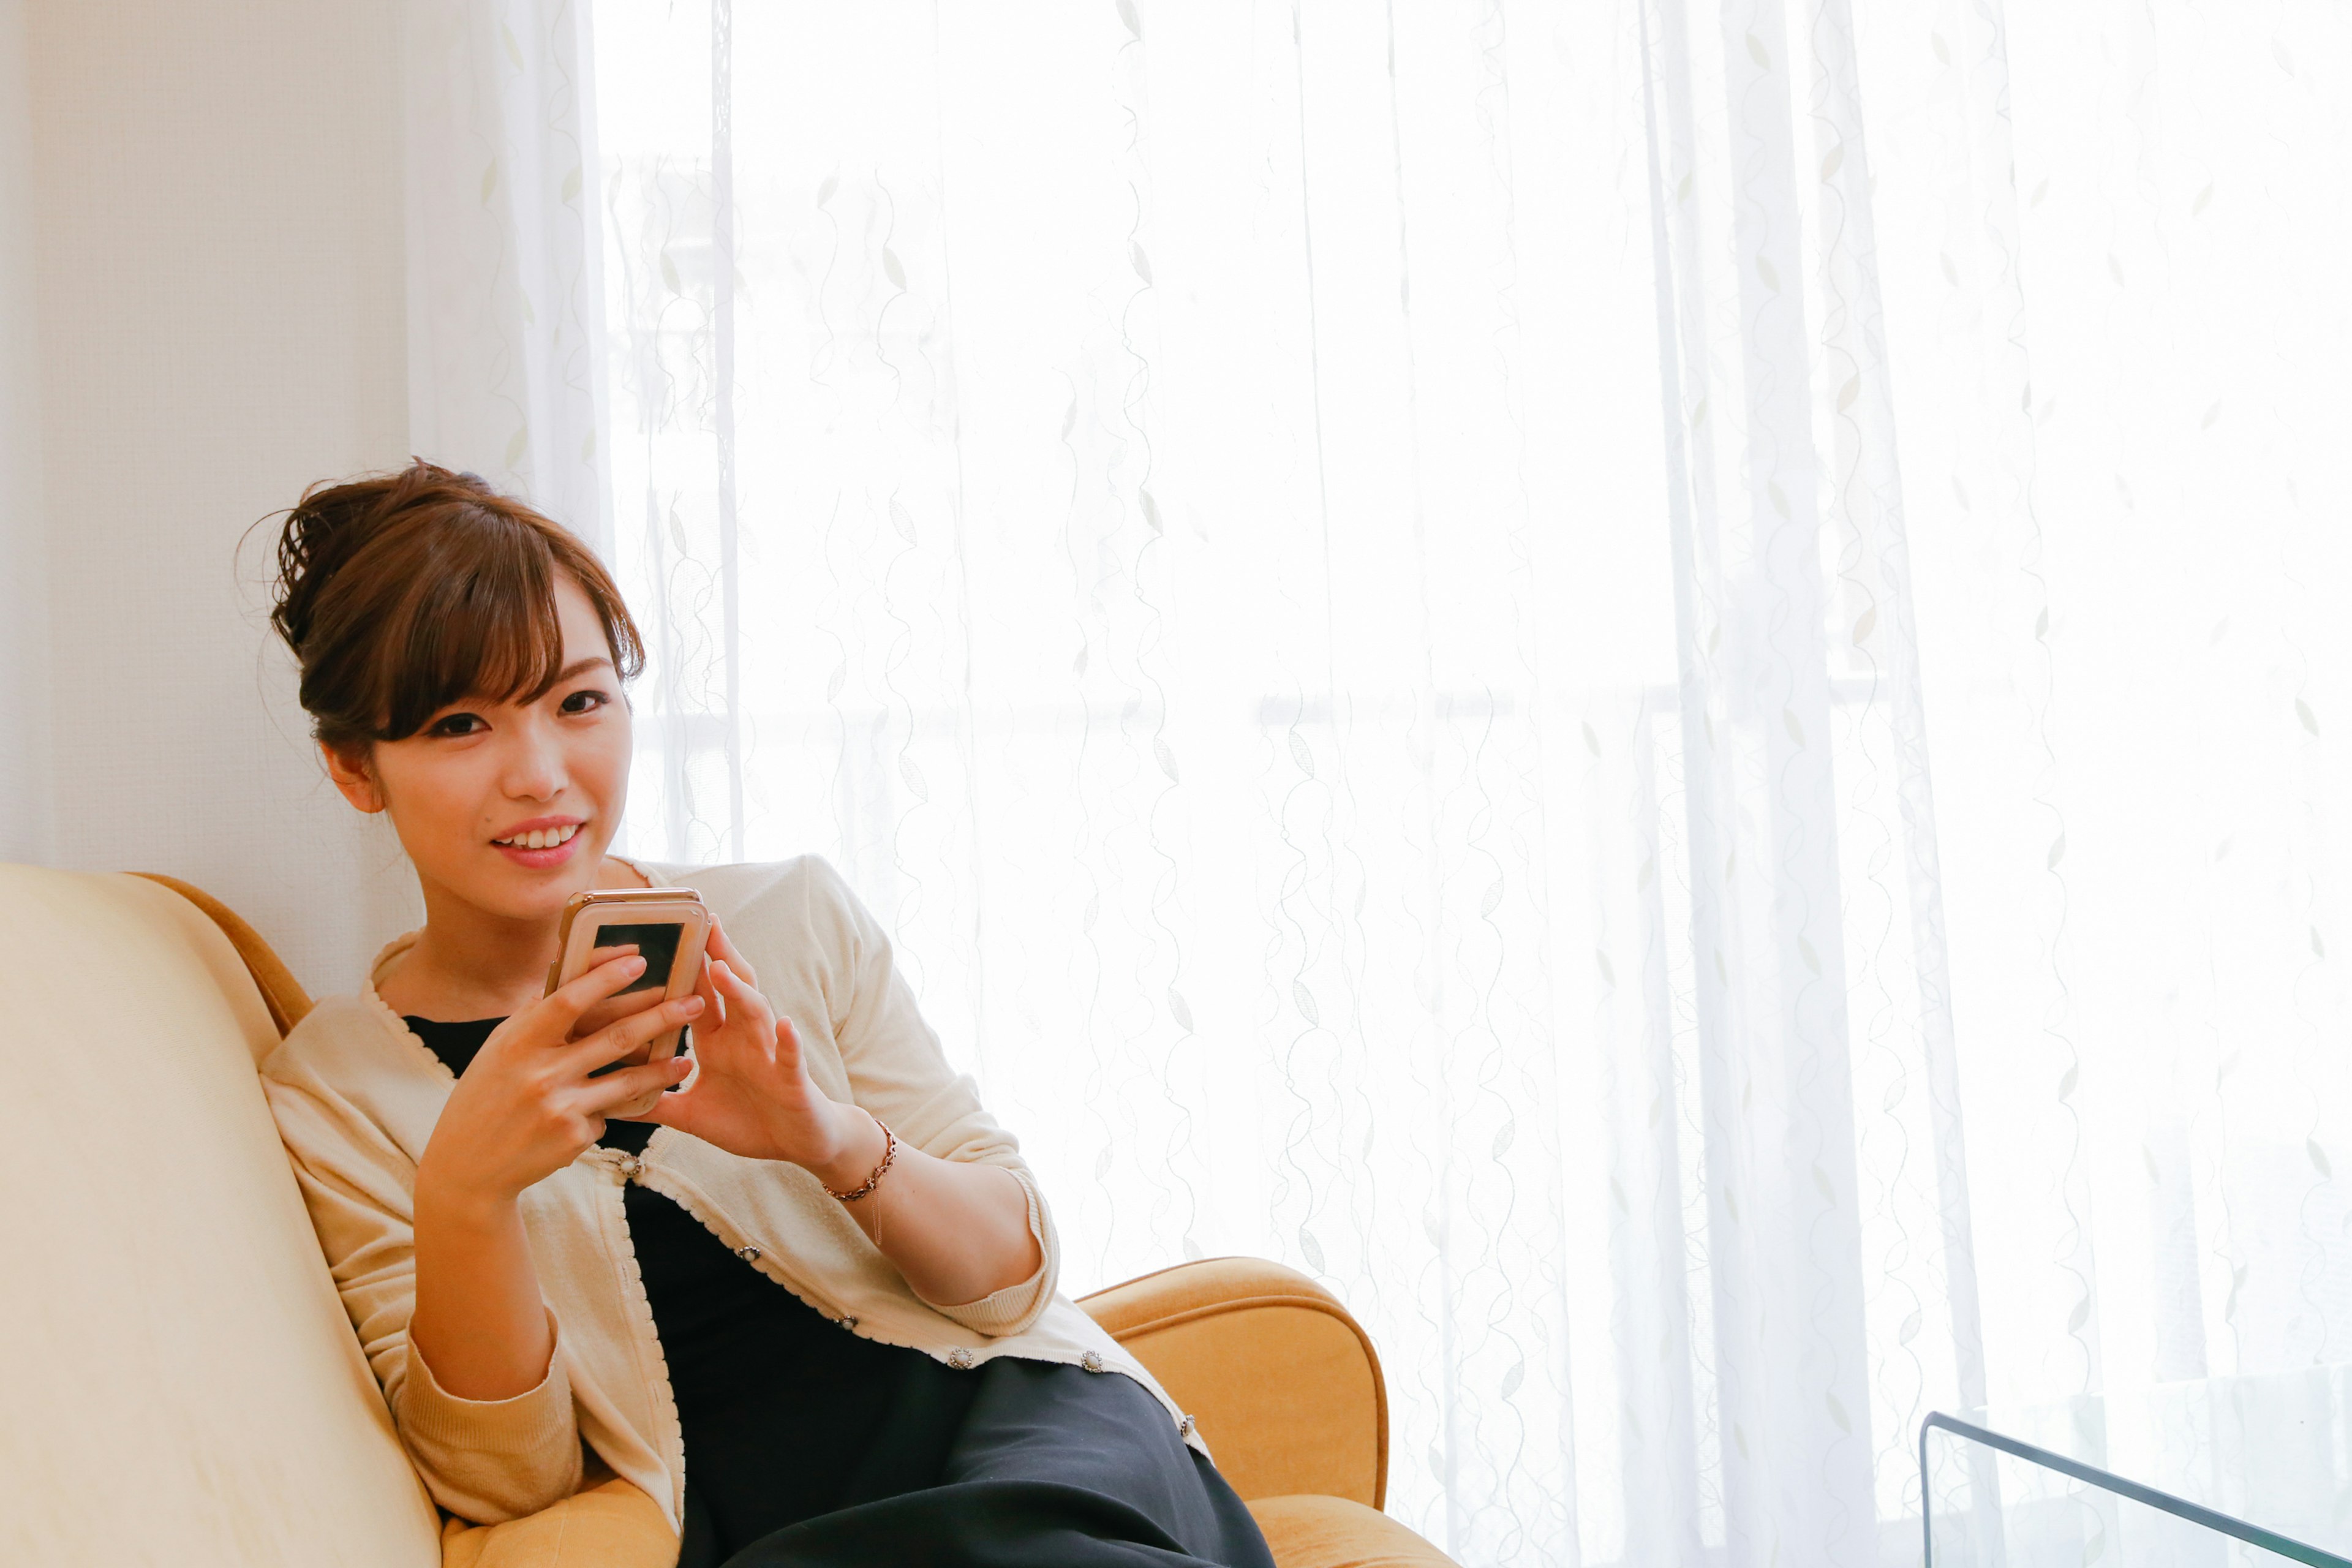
350	772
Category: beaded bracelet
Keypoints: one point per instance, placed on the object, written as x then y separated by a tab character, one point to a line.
890	1152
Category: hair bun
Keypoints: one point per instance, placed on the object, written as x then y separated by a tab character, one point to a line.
320	535
327	526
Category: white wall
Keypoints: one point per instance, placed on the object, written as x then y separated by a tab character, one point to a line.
26	823
216	231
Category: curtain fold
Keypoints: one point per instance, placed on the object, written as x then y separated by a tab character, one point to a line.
1656	686
506	329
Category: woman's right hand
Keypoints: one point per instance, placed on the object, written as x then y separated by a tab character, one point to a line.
527	1105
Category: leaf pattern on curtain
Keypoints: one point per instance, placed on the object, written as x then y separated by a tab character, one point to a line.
1656	686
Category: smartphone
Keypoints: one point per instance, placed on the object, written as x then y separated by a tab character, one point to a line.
668	927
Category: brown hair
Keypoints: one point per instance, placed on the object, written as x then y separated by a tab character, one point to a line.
403	593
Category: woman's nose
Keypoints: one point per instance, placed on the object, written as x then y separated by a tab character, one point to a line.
535	771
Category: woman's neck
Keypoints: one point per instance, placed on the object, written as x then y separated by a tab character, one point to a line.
467	962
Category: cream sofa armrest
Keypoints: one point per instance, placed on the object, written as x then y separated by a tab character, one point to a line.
281	991
609	1525
1284	1382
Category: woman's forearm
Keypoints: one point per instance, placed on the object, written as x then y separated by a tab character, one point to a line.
958	1230
478	1322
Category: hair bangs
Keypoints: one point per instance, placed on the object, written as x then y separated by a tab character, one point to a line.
482	623
402	594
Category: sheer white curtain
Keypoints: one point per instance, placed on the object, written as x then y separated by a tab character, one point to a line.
1658	686
506	330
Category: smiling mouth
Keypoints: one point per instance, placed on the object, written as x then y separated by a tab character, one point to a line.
540	837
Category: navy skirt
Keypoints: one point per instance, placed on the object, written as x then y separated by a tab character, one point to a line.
807	1444
1016	1464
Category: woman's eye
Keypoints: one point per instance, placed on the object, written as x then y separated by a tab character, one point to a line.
456	725
585	701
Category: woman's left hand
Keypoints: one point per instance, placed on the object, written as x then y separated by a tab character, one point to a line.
957	1231
752	1094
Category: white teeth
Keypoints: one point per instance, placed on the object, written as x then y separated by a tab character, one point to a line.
541	838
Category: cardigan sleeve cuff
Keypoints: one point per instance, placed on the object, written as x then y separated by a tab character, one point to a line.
492	1460
1016	1306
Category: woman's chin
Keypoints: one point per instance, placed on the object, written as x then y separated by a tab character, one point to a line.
513	886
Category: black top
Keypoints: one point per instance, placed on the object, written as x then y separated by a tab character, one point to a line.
811	1447
743	1351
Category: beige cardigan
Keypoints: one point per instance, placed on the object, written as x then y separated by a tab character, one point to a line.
356	1095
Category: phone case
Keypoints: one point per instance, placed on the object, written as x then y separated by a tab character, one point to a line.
587	915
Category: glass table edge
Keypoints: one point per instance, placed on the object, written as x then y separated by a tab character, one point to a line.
2090	1475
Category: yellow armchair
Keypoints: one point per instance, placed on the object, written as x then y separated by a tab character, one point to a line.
178	1379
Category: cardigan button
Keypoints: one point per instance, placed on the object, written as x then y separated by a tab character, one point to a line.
1091	1362
748	1254
630	1165
1184	1427
959	1359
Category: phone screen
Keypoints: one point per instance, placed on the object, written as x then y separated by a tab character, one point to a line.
656	944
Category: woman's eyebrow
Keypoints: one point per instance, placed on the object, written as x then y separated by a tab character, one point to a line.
576	666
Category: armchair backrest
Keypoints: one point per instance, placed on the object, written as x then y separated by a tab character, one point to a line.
178	1381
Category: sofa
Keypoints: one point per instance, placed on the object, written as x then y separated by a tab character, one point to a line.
179	1383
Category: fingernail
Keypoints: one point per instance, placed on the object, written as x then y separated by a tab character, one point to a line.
634	964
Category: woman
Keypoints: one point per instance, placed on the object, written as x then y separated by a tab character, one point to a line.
807	1302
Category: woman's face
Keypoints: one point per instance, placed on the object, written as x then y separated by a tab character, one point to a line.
508	806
